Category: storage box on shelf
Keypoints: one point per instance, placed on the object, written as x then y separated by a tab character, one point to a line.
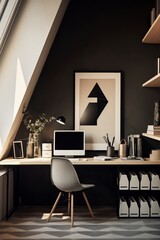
137	196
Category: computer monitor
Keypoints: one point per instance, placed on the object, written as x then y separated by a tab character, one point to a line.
69	143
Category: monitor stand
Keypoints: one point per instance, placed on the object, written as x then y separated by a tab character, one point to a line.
69	156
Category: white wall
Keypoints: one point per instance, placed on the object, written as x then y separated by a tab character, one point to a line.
22	60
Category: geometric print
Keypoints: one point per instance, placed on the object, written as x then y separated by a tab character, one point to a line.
30	223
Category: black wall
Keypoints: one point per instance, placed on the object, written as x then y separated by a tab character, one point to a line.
100	36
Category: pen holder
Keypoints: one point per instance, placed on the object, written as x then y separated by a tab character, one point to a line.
110	151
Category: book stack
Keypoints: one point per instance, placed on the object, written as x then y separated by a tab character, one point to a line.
153	130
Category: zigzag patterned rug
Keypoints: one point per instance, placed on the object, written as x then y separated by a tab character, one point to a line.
30	223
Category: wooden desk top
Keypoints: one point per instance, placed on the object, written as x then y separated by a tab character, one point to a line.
82	161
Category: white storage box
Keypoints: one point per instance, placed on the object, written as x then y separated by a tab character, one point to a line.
46	150
154	207
133	181
46	154
46	146
123	208
143	207
133	208
154	181
144	181
123	181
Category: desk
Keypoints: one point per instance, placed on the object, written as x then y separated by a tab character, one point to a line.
90	161
116	164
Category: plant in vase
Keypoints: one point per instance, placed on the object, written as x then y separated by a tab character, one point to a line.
35	125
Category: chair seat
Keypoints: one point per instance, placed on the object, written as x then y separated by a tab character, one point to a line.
78	187
85	186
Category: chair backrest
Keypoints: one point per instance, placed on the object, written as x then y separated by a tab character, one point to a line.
63	175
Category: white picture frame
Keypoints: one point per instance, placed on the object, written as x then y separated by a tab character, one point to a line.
18	149
97	107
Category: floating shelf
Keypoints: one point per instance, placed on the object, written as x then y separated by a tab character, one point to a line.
155	137
153	34
153	82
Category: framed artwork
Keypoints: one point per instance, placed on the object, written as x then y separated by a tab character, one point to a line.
97	107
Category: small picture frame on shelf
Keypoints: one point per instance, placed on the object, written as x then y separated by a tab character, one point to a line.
18	149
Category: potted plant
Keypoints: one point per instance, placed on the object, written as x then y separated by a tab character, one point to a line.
35	125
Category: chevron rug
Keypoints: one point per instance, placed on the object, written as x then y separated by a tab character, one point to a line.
30	223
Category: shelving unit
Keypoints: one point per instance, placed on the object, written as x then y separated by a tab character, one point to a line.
153	34
153	82
133	190
151	136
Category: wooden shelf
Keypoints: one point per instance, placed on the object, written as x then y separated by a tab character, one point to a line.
153	34
153	82
155	137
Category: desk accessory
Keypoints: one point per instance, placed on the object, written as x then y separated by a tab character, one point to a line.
122	149
47	150
110	151
135	146
110	147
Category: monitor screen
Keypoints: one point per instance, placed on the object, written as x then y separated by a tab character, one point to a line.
69	143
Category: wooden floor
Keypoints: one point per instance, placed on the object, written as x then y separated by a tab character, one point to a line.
30	223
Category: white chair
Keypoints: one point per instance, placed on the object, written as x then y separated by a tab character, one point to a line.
65	178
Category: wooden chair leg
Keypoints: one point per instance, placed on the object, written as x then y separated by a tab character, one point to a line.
88	205
72	209
69	203
54	206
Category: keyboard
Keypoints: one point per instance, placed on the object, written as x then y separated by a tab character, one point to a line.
99	157
78	159
103	158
